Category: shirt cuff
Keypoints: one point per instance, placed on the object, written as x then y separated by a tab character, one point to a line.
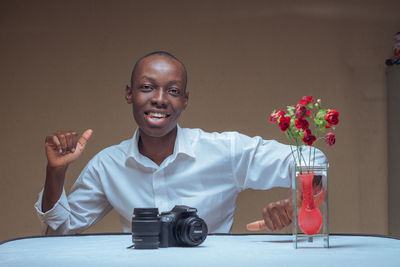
56	215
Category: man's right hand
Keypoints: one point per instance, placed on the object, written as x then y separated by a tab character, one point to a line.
64	147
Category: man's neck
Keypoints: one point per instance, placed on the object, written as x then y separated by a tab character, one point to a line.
157	148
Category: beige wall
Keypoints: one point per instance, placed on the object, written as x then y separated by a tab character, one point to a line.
64	64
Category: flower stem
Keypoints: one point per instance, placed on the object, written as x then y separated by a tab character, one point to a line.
313	164
309	160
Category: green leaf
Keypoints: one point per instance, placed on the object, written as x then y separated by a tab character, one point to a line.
321	114
291	111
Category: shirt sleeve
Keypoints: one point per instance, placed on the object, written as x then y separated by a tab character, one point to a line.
85	205
264	164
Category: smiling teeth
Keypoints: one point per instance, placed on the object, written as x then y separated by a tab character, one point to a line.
158	115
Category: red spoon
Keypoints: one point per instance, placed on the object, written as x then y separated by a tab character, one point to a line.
310	218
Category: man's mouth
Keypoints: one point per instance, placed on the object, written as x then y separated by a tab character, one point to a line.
156	115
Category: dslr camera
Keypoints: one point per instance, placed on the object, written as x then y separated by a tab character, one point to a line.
180	227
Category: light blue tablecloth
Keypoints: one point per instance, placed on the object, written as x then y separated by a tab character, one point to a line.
217	250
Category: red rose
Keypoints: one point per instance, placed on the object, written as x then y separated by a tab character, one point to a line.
273	118
308	138
330	139
332	117
276	115
284	123
301	124
306	100
300	111
280	113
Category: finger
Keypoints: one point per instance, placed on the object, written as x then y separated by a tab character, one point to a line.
49	141
267	219
84	138
63	142
54	142
74	141
299	198
283	217
289	208
276	220
69	140
255	226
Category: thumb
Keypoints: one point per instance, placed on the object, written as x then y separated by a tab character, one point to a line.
84	139
255	226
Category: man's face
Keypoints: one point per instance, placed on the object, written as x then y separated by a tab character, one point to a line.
157	95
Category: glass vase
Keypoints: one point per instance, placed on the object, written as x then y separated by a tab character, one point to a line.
309	186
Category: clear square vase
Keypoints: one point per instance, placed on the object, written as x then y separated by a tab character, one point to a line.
309	186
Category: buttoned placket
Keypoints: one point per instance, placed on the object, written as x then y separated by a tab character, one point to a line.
160	190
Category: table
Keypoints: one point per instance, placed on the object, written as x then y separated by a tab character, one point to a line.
217	250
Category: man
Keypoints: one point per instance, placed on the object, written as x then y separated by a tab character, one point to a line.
162	165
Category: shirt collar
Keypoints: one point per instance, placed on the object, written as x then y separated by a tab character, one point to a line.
182	146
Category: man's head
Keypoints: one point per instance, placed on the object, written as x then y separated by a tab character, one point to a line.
161	53
157	93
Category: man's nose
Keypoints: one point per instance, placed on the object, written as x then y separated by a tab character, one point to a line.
159	97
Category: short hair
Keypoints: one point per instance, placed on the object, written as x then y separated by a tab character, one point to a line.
160	53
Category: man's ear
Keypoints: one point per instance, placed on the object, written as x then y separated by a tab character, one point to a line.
186	100
128	94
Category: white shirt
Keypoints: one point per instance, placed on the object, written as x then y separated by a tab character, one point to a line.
206	171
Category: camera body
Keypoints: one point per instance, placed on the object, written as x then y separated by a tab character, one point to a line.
179	227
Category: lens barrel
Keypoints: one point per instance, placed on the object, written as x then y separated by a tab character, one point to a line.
191	231
146	228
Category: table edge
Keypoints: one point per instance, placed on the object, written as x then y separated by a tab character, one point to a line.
212	234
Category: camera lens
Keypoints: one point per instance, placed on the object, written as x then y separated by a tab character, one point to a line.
145	228
191	231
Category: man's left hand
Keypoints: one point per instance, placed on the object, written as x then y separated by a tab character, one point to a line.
277	215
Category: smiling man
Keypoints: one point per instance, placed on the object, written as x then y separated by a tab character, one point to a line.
163	165
158	97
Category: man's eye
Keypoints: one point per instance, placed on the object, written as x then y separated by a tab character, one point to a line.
146	87
174	91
